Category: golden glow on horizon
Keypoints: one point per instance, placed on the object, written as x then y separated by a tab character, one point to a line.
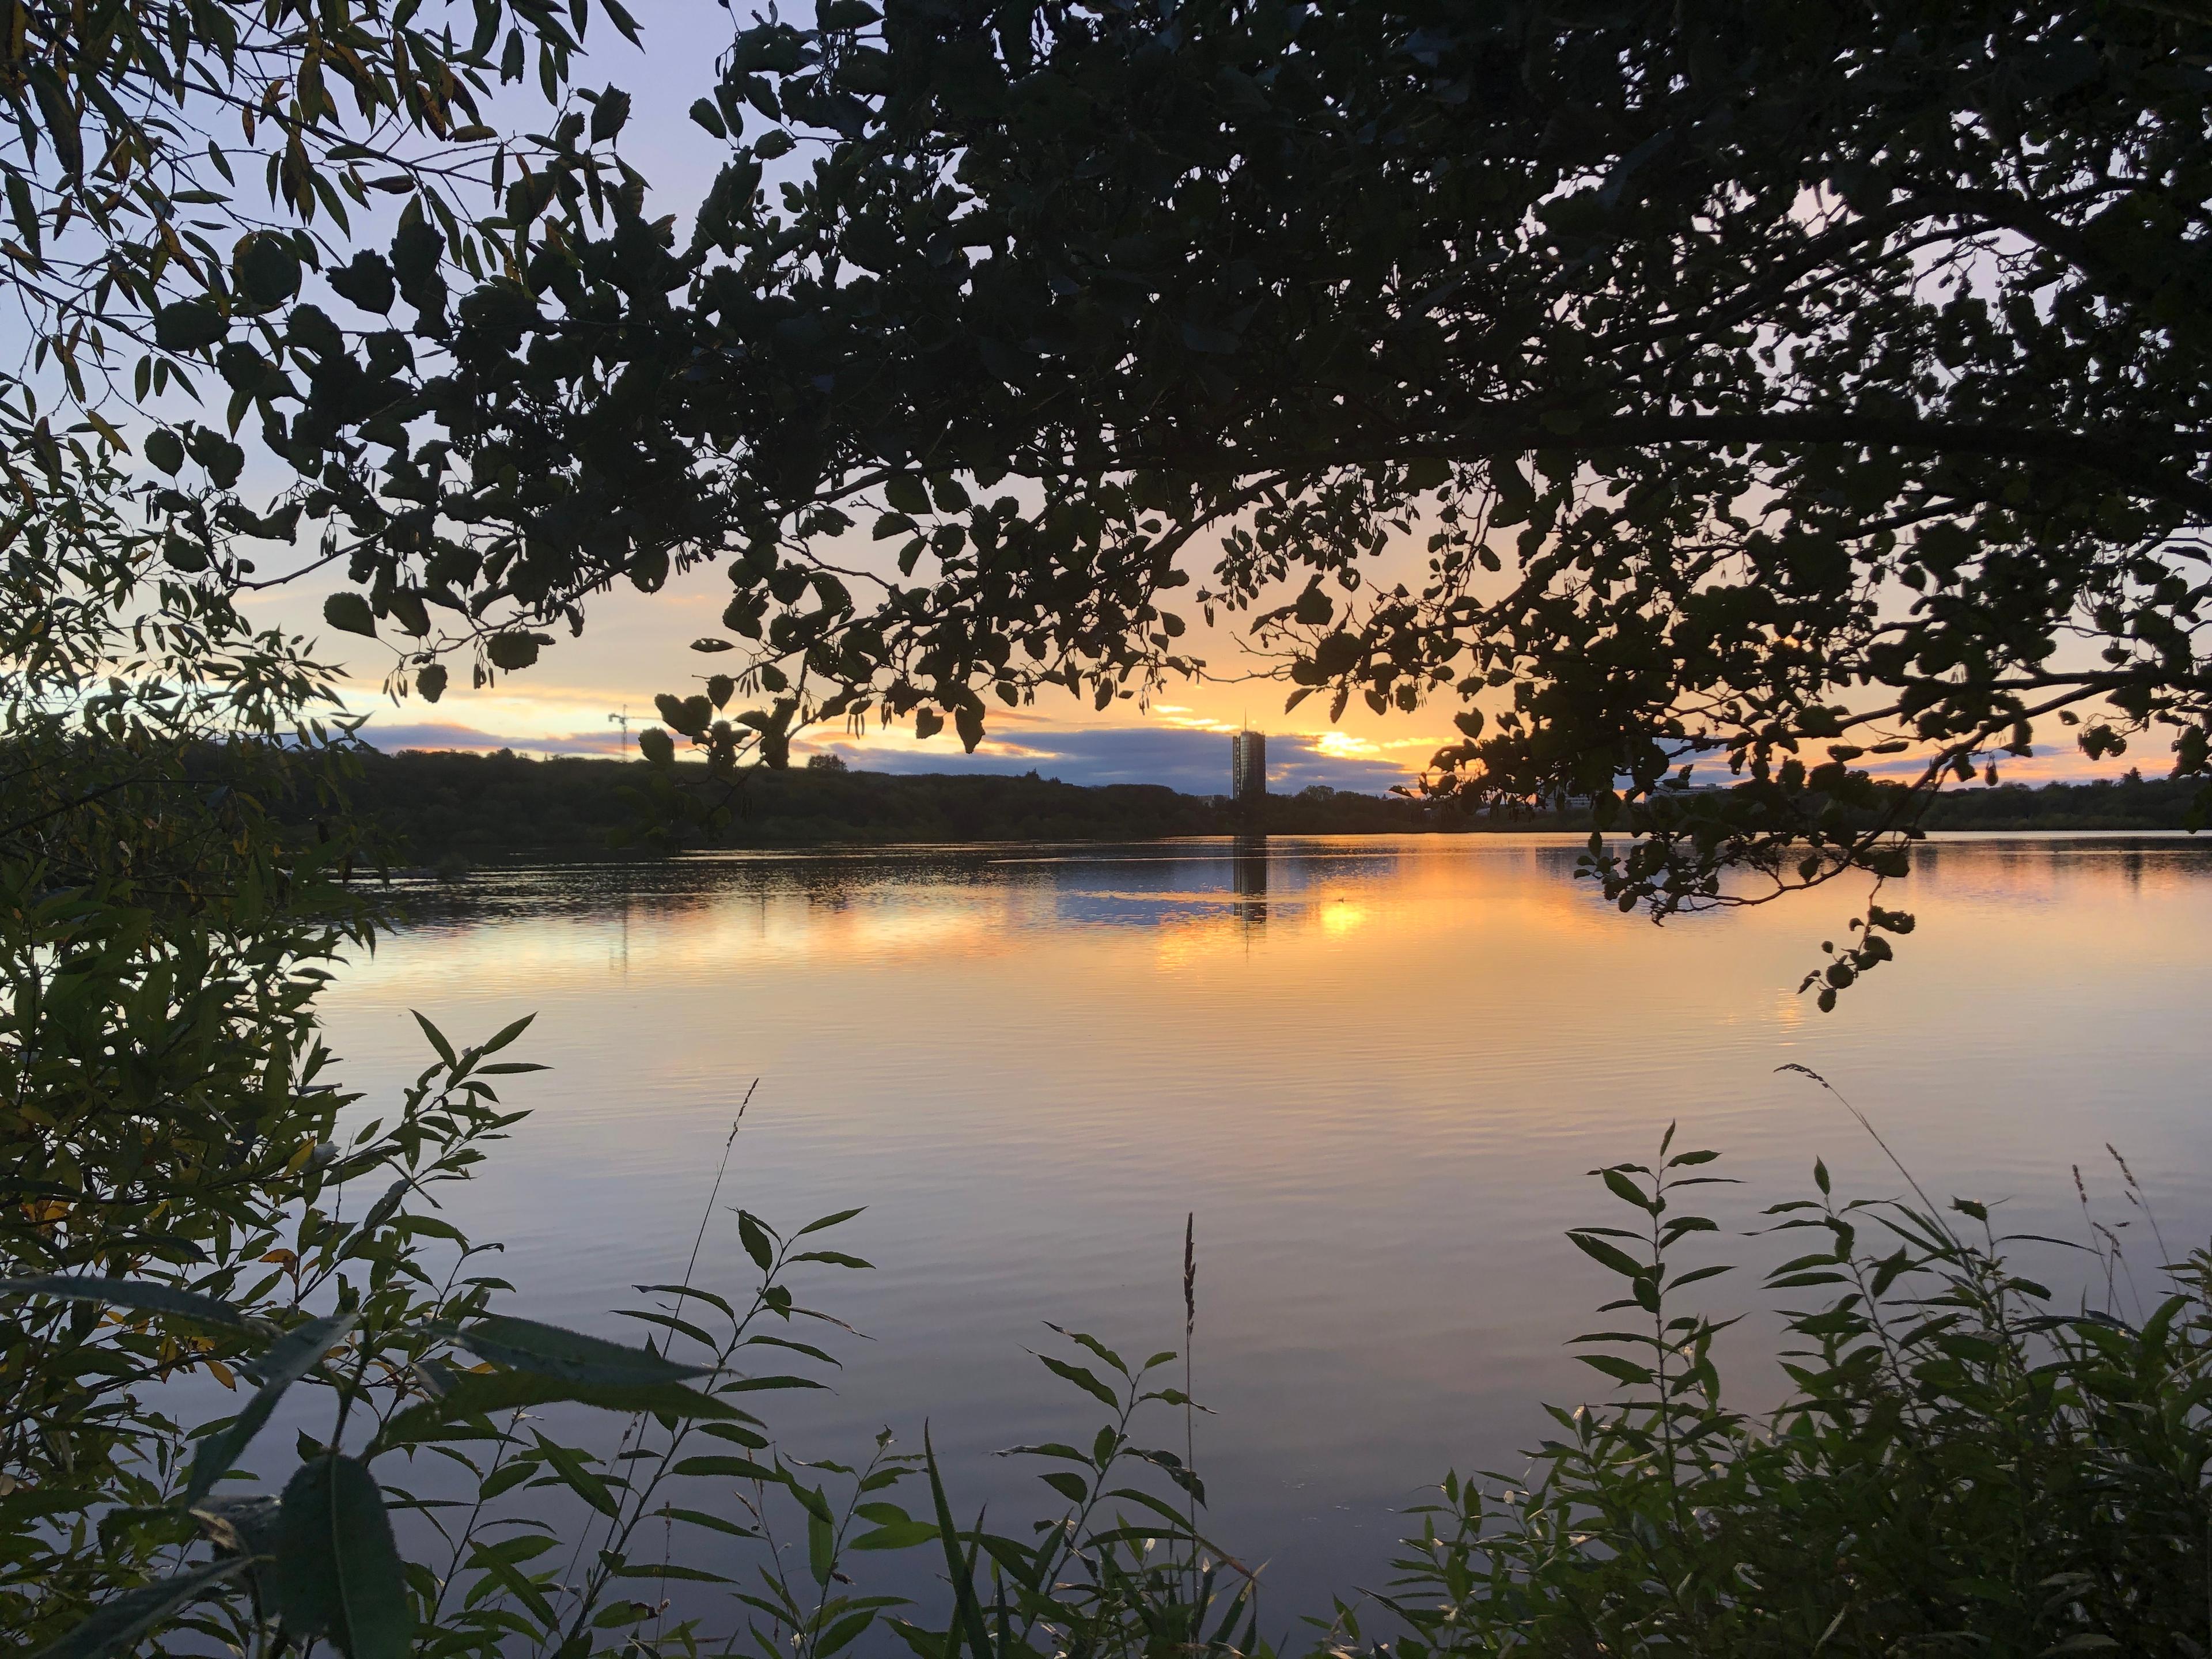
1344	745
633	650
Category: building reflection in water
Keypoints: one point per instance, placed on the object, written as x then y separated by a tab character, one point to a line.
1247	878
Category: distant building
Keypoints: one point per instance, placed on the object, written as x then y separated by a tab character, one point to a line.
1248	767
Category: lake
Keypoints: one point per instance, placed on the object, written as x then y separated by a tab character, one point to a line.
1377	1072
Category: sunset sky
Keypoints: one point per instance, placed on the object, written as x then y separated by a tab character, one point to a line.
635	645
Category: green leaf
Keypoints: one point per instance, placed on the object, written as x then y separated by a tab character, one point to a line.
690	715
117	1626
692	1292
437	1039
756	1240
524	1345
164	448
1607	1255
843	1634
668	1322
895	1535
828	1221
807	1348
609	115
668	1569
338	1573
740	1468
1082	1379
1625	1190
511	650
249	1524
701	1518
507	1034
349	613
24	209
737	1434
810	1498
266	269
969	1619
1696	1274
294	1354
367	282
480	1392
1625	1371
142	1294
188	325
580	1477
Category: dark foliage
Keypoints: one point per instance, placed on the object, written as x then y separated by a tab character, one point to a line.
1966	1462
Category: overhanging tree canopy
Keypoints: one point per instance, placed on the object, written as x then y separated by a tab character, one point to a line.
1779	383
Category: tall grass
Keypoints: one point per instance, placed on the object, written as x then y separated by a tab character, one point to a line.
1965	1462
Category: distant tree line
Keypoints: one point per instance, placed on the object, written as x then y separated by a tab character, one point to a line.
439	807
2132	802
436	806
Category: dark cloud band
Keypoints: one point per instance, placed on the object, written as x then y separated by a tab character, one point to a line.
1196	763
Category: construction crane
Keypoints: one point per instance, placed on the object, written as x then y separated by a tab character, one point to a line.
623	720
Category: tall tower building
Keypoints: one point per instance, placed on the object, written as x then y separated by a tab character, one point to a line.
1248	767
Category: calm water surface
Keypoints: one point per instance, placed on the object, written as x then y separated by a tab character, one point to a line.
1378	1071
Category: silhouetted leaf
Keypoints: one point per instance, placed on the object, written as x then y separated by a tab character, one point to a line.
1607	1254
1083	1379
734	1468
141	1294
349	612
294	1356
188	325
339	1571
117	1626
479	1393
524	1345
